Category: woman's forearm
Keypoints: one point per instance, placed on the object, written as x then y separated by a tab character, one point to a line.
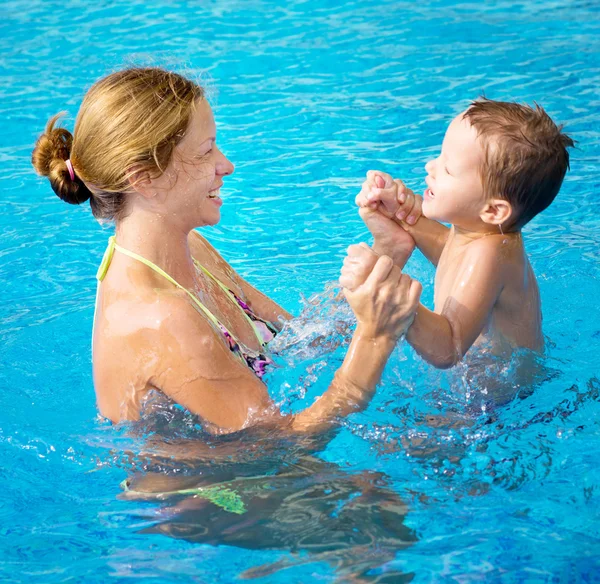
353	385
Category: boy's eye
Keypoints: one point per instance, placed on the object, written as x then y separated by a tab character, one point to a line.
446	169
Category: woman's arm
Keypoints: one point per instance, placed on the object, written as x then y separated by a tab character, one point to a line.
197	370
353	385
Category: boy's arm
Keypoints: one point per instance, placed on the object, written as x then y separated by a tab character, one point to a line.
429	236
382	200
444	336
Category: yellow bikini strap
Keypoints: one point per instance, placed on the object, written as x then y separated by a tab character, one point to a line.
106	259
230	294
108	255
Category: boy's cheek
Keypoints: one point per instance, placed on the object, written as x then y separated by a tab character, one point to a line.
441	215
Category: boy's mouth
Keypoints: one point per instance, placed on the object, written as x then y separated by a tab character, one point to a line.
428	194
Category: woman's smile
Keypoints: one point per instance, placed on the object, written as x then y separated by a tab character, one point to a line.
214	196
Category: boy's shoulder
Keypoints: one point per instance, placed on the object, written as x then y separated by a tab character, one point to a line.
497	250
488	244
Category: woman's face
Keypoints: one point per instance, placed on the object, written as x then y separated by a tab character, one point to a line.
189	189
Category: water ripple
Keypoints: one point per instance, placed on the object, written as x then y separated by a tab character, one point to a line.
308	96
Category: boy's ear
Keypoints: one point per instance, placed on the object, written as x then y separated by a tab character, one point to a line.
496	212
140	181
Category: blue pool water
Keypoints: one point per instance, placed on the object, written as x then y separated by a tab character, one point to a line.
308	97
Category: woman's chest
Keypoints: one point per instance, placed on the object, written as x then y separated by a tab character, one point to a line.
226	304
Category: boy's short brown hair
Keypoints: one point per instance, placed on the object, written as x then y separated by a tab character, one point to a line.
526	155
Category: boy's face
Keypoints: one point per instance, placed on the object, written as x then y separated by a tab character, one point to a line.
455	190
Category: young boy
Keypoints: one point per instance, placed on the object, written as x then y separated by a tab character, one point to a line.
500	165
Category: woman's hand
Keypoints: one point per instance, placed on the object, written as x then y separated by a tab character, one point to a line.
358	264
385	302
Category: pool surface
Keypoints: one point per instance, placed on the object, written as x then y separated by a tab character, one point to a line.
456	476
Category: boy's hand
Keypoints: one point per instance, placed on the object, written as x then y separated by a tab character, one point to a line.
379	193
410	205
390	197
377	208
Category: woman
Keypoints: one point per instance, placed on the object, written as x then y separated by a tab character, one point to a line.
171	315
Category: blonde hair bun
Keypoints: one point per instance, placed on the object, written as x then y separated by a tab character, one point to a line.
49	157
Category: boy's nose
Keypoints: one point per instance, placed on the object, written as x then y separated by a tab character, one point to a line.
429	167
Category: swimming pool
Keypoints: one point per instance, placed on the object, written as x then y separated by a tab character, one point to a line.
307	97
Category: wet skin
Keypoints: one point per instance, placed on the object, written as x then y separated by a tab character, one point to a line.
149	336
485	288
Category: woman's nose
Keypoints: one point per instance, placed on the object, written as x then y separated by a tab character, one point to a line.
224	165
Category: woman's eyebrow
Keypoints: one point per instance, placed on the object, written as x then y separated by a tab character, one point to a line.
212	140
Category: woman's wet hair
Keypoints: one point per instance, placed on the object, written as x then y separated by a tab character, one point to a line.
128	125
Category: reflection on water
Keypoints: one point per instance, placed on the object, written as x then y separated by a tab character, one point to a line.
354	522
261	490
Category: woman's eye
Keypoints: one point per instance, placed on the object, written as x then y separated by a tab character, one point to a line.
204	155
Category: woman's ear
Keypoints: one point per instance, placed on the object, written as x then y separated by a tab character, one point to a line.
496	212
141	182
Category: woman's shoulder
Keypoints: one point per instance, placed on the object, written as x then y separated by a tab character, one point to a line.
135	301
200	246
136	339
150	311
137	343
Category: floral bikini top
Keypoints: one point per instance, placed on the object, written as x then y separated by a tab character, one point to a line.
264	330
